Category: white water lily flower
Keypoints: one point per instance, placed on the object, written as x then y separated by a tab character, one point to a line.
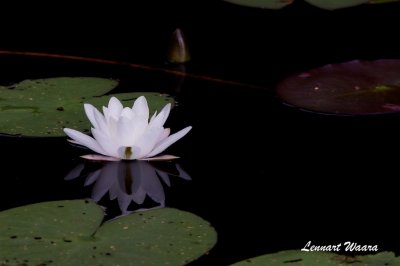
126	133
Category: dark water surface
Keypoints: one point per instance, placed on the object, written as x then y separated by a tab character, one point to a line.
268	177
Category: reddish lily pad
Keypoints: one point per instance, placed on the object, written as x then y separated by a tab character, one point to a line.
355	88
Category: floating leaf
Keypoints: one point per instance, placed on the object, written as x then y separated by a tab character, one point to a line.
335	4
324	4
295	257
272	4
43	107
381	1
68	233
356	87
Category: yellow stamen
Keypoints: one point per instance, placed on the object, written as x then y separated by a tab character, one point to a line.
128	152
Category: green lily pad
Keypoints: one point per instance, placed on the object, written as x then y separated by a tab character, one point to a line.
43	107
295	257
68	233
271	4
381	1
336	4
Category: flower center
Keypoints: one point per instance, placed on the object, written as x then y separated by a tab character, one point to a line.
128	152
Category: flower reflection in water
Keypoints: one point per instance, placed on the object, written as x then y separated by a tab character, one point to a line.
129	181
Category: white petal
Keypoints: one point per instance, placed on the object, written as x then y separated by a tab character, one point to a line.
73	142
124	133
164	135
153	116
84	140
106	143
101	121
95	117
89	110
160	147
129	131
141	108
141	124
127	112
106	113
149	140
160	119
96	157
112	128
114	108
164	157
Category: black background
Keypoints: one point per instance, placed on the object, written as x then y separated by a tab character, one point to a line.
225	39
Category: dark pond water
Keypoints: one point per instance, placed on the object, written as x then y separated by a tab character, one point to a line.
266	176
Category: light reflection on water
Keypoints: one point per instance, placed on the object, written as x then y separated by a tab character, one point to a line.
130	181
